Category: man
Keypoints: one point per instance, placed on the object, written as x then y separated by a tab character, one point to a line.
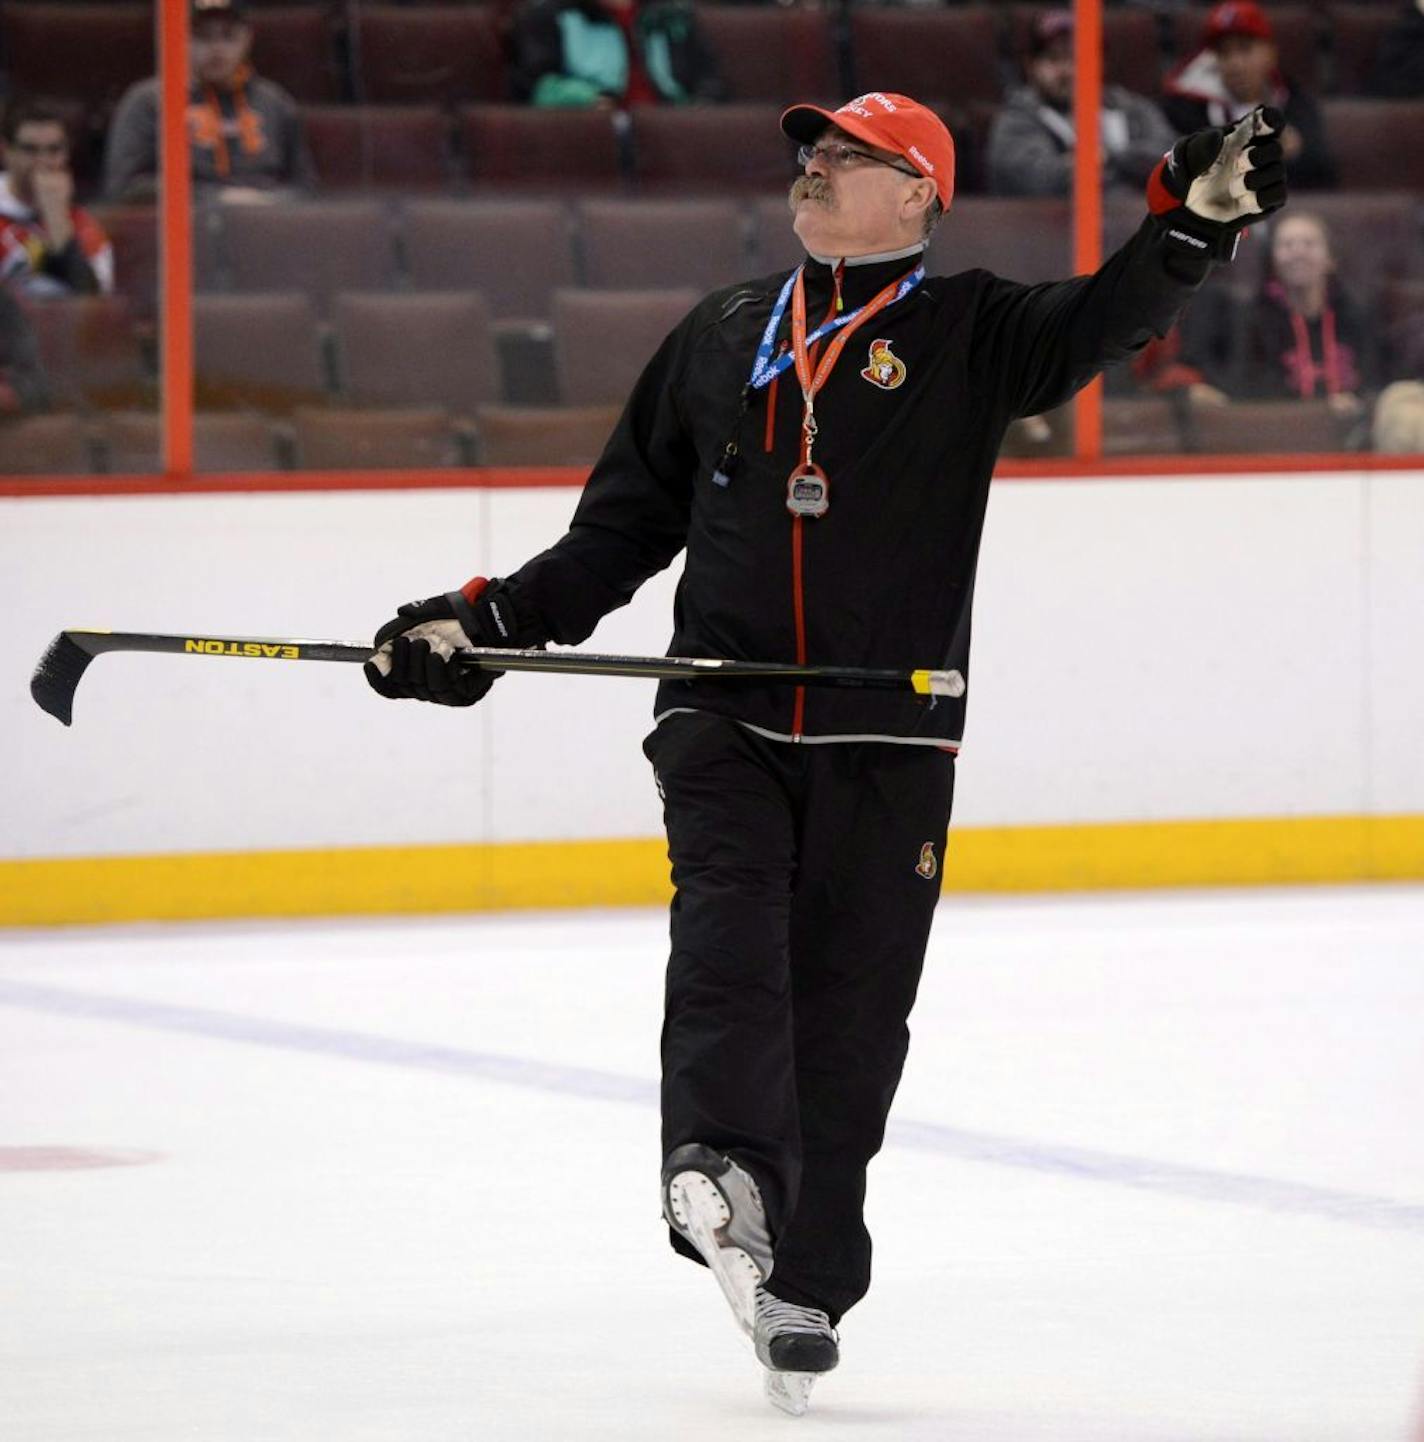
48	245
1238	69
244	132
611	54
822	444
1032	139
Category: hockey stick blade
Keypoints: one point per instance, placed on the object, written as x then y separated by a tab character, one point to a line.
63	665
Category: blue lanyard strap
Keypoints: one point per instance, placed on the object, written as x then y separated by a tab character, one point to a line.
765	369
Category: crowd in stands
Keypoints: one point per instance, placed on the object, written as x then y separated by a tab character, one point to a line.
606	123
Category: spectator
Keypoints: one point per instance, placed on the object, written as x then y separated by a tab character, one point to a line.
1032	139
48	245
1303	336
1398	72
1236	70
245	133
1398	428
22	383
612	53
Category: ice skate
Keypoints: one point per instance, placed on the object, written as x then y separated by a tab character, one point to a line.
715	1205
796	1345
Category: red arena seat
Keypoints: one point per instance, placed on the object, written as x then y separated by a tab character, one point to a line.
771	52
292	45
43	446
518	146
87	51
604	338
927	51
1019	239
317	248
342	440
89	351
662	244
515	252
428	53
1355	35
222	441
256	352
543	435
1355	129
388	147
712	147
404	350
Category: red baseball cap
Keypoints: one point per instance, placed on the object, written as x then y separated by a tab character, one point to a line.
888	122
1237	17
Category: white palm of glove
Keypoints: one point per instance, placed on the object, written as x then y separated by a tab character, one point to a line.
1220	193
445	638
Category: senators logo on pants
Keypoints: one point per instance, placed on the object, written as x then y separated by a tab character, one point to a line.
928	867
886	369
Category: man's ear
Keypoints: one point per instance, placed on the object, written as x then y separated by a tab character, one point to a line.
920	198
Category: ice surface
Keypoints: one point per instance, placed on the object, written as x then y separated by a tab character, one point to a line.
1156	1175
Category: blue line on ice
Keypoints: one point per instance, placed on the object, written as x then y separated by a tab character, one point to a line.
1198	1183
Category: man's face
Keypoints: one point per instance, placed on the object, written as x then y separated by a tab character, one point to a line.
218	48
1247	64
850	208
39	145
1300	251
1051	73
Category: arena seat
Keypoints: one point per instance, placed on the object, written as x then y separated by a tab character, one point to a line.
319	247
774	243
515	252
1140	426
662	244
1355	34
348	440
89	351
1258	427
428	54
406	350
293	45
604	338
712	146
1355	129
543	435
1297	40
1020	239
387	147
44	446
256	352
923	51
90	52
520	146
222	441
772	52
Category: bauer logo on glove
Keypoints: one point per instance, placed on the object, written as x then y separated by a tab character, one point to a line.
1213	183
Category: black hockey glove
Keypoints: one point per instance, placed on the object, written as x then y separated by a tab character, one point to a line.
412	651
1212	184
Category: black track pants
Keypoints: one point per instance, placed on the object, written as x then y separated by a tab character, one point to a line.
806	878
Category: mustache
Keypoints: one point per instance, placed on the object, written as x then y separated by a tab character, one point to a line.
808	187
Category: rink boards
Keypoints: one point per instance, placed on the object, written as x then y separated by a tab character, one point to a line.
1176	680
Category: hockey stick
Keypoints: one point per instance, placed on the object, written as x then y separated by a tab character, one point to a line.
65	660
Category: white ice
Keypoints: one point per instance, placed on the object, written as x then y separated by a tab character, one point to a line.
1157	1175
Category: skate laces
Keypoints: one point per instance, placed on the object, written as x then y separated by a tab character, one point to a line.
780	1318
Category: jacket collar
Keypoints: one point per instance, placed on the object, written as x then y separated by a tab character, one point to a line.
862	276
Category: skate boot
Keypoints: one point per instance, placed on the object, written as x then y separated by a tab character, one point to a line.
795	1344
709	1200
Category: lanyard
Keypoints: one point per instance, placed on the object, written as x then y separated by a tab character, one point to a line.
801	343
765	369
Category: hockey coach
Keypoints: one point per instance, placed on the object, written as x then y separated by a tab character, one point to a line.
821	444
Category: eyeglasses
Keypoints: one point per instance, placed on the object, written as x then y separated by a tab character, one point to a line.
838	156
28	147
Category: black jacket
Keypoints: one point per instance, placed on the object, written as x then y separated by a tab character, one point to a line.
886	578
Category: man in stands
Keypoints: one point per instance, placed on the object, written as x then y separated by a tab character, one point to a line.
1237	69
611	53
1032	140
48	245
244	132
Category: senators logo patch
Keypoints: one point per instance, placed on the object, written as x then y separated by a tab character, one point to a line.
928	867
886	369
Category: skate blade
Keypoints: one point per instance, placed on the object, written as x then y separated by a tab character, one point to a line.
790	1392
700	1209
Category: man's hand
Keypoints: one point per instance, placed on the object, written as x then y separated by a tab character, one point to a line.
412	657
1213	183
54	193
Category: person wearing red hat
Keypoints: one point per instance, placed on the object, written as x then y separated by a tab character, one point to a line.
820	443
1237	68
